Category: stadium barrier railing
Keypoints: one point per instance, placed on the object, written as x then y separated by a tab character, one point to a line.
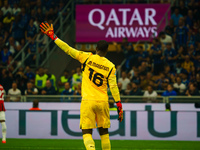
124	99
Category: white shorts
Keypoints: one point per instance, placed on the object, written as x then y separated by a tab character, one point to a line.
2	115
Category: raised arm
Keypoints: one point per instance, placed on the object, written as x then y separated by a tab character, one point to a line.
71	51
79	55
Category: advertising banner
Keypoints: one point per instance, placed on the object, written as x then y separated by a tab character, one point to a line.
114	22
141	122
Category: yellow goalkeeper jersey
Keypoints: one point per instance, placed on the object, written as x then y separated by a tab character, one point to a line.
97	71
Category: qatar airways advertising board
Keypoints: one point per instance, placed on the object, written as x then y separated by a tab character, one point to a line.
114	22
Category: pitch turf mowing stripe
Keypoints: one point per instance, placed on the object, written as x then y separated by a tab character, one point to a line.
50	148
60	144
39	148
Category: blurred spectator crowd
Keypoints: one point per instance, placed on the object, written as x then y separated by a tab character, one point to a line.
19	25
172	64
26	82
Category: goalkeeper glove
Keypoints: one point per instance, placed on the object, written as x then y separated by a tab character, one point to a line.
120	111
48	30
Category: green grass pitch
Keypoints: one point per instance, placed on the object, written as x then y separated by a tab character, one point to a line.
57	144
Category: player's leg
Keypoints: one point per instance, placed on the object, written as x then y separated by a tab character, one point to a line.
87	123
105	141
87	139
103	122
3	126
3	129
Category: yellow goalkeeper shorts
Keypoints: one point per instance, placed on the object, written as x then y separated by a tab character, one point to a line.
94	114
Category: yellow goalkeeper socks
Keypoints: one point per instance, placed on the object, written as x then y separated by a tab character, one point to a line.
105	142
89	142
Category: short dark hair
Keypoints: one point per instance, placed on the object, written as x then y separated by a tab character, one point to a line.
151	86
40	68
185	73
161	33
167	106
169	43
171	85
35	103
194	84
156	39
66	71
102	45
5	46
130	84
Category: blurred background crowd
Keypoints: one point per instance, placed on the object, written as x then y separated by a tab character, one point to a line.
171	66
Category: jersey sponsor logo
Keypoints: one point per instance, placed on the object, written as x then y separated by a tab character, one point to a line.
98	65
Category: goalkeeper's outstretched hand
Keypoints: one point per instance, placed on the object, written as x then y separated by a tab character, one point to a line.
48	30
120	111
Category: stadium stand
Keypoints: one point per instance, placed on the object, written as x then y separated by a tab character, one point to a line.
177	48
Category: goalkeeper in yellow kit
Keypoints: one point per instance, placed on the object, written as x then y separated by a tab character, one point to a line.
97	72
